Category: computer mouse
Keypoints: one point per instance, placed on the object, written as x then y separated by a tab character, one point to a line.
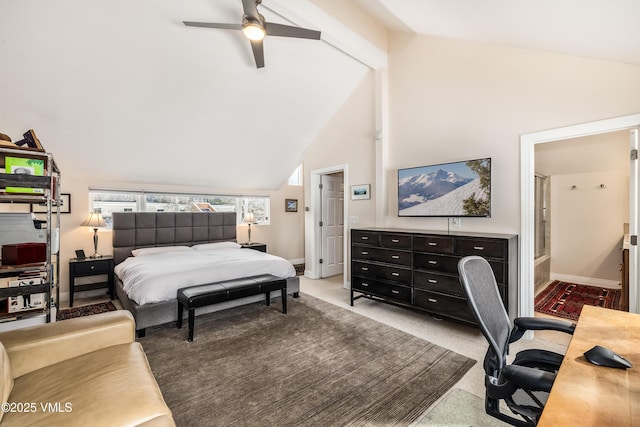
602	356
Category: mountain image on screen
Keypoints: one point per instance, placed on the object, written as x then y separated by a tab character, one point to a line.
418	189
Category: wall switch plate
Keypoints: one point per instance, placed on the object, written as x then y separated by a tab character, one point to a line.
353	220
455	222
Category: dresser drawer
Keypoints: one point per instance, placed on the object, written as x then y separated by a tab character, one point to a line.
361	237
396	241
433	244
92	267
456	308
389	256
488	248
393	292
437	283
433	262
382	272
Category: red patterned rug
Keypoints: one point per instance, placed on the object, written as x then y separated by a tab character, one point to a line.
564	299
85	310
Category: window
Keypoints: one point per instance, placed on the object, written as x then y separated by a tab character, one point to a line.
109	201
296	177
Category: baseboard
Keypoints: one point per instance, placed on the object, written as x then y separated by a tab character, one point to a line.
541	286
589	281
296	261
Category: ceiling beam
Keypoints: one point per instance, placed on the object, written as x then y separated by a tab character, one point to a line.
334	33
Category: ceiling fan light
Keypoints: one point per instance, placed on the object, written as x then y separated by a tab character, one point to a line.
253	30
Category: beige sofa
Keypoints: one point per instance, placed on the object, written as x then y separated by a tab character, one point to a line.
79	372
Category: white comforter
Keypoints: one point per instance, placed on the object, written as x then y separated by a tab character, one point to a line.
156	278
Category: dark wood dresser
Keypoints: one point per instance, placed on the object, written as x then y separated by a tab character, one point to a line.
419	269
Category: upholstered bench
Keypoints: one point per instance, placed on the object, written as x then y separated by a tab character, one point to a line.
202	295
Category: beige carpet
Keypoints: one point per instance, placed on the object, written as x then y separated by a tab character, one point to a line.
319	365
459	408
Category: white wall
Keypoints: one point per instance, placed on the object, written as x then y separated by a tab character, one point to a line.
587	225
454	100
346	140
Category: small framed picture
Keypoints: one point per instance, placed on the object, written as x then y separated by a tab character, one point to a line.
80	254
360	192
291	205
65	205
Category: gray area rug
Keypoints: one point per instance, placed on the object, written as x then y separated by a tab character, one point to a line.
459	408
319	365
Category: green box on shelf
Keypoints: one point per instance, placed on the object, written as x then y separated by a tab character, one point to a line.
24	166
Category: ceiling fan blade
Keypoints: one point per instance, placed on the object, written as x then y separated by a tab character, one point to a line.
289	31
251	9
258	52
213	25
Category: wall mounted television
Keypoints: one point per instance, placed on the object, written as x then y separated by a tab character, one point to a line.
458	189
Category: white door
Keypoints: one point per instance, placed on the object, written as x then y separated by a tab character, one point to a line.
332	225
634	302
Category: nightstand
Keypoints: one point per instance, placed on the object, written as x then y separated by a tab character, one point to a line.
85	267
262	247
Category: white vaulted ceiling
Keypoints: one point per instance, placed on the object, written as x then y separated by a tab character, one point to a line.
603	29
122	89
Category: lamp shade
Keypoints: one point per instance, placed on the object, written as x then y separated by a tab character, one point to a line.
249	217
94	220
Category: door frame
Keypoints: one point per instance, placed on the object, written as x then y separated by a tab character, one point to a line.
314	233
527	193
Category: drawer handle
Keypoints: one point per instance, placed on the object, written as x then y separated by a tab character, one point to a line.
393	291
395	256
364	253
395	240
479	248
366	285
433	262
395	274
432	244
92	267
432	281
365	268
365	238
432	300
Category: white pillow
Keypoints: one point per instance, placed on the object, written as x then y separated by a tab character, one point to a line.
216	245
159	250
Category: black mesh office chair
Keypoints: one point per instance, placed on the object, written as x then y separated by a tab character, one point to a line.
524	384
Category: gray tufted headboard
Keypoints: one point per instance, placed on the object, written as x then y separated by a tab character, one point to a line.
133	230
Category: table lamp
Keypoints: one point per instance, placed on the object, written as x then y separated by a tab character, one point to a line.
95	221
249	218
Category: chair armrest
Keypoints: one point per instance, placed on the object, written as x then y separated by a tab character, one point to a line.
523	324
529	378
35	347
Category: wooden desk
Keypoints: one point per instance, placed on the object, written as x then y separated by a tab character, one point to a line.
588	395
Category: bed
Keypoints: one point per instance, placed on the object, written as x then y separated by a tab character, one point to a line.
183	243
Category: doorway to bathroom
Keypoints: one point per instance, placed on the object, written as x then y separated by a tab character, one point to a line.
564	182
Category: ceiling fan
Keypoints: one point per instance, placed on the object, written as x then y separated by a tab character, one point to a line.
256	28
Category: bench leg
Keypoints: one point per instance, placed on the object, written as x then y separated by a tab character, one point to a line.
284	300
192	321
180	313
268	298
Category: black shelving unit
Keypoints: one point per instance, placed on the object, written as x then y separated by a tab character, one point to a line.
49	197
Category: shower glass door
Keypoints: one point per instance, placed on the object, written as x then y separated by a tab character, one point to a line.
540	215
